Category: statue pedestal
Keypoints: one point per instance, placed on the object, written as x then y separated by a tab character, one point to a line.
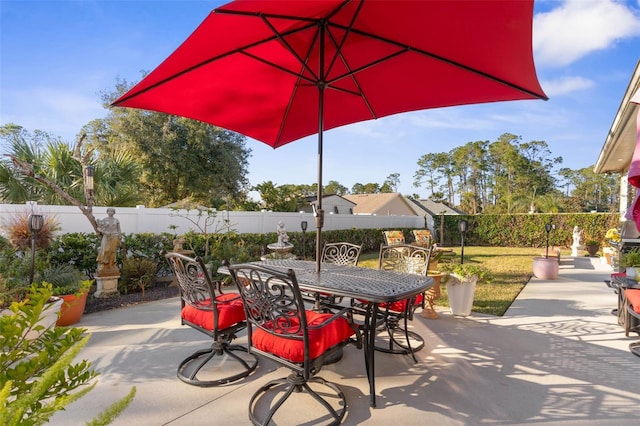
106	286
574	250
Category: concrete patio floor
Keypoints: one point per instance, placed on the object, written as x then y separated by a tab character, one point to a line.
557	356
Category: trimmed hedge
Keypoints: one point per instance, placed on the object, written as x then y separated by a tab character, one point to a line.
528	230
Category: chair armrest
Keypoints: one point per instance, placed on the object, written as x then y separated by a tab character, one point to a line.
344	313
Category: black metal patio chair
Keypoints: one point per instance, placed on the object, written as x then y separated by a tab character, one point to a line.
282	330
219	315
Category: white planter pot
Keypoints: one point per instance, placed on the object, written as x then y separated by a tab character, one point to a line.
460	293
631	272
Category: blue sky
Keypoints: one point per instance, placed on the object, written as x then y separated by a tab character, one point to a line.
57	56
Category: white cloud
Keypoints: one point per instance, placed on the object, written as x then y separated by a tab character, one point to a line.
565	85
579	27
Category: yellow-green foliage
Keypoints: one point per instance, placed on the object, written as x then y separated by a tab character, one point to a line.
37	369
39	374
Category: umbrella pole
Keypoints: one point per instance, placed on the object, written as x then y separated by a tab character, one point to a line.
319	212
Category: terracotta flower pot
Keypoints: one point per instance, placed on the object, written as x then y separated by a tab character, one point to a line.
72	308
592	249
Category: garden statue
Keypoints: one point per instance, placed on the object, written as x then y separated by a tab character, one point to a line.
283	238
178	243
109	227
577	241
281	249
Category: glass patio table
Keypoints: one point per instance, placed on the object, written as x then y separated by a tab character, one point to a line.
372	285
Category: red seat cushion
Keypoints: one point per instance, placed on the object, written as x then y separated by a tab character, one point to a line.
230	312
633	296
401	305
320	339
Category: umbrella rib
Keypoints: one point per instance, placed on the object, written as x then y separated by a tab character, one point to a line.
339	46
344	61
242	49
290	49
442	59
315	79
193	67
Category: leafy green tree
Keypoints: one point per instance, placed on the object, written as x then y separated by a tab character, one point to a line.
520	172
284	198
391	183
598	192
470	165
433	167
52	160
334	188
179	158
368	188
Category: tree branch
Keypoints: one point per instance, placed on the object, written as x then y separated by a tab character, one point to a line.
27	170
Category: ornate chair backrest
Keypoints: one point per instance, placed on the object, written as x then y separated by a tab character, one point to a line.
195	285
341	253
219	315
422	237
405	258
392	238
273	303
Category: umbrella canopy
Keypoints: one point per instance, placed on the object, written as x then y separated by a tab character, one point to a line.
277	71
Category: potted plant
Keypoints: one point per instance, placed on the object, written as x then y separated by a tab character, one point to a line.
613	241
71	286
74	300
461	280
630	260
545	267
592	247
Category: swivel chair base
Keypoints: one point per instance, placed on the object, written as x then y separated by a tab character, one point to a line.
295	384
197	368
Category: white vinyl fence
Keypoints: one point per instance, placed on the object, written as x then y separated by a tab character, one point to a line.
134	220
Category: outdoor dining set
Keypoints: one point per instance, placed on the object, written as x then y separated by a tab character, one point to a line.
301	318
628	310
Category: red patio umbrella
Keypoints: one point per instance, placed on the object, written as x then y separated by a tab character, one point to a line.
277	71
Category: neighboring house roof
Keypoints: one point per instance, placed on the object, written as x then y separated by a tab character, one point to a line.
436	209
382	204
332	197
621	139
418	208
330	203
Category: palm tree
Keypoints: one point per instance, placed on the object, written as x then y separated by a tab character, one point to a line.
45	169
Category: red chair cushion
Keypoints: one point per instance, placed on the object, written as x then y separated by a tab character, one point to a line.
230	312
401	305
320	339
633	296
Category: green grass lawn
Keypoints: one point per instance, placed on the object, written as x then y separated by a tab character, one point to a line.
511	268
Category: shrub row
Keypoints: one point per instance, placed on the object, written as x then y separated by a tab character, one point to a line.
141	252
